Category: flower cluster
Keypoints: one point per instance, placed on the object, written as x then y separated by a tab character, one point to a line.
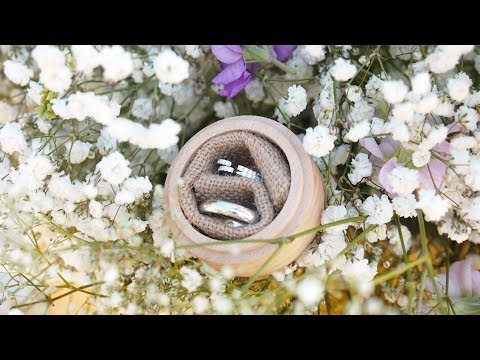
87	134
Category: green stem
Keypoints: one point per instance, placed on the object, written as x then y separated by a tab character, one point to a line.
283	67
52	300
261	268
357	239
410	284
399	270
428	263
423	281
279	239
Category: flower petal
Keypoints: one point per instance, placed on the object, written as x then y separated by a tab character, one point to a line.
283	51
232	89
454	127
442	147
437	170
371	145
383	176
464	278
389	146
227	54
231	73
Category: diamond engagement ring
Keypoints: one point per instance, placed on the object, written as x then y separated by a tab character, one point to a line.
229	209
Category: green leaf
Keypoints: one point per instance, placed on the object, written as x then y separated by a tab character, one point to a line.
256	53
467	305
384	107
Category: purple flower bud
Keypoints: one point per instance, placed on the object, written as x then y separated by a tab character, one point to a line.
283	51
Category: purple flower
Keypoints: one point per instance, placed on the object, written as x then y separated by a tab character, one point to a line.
236	74
283	51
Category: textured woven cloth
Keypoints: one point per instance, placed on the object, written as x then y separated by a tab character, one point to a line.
200	182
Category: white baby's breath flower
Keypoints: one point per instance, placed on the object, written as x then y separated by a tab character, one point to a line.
405	205
117	63
433	205
445	57
123	197
334	213
435	136
200	304
7	112
79	151
398	129
12	138
156	136
318	141
54	73
170	68
403	180
143	108
360	274
379	210
191	278
472	178
313	53
114	168
254	91
343	70
427	104
95	208
421	157
421	83
358	131
296	101
223	109
222	305
361	168
87	58
17	73
458	87
354	93
394	91
468	117
82	105
310	291
34	92
195	51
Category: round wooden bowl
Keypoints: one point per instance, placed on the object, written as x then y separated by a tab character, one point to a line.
301	211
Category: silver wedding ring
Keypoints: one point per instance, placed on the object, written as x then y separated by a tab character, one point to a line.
225	170
230	210
224	162
248	173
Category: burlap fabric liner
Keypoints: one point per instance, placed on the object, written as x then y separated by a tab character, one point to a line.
200	182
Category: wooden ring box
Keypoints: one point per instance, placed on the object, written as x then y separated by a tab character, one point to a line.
301	211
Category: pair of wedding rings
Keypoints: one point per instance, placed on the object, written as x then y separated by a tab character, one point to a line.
226	168
236	215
